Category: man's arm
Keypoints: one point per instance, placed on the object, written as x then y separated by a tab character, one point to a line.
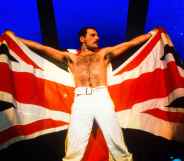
49	51
121	48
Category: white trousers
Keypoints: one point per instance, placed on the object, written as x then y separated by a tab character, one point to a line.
90	104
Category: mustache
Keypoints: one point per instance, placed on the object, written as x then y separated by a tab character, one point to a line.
96	42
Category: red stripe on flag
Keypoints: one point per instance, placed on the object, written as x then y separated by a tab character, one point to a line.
6	84
157	84
96	145
176	117
28	89
13	46
1	39
24	130
140	57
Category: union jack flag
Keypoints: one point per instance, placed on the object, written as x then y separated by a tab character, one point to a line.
36	96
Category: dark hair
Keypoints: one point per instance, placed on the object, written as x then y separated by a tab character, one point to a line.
83	31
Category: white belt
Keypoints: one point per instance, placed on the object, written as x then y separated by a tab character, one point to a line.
86	90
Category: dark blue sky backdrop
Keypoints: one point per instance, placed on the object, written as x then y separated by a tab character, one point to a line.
108	16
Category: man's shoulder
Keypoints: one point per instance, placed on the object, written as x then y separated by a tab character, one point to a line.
104	50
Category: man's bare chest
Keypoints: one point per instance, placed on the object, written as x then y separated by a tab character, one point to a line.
88	60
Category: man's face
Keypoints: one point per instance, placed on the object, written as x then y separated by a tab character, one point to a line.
91	39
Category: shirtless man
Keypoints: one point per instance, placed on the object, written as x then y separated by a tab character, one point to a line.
92	100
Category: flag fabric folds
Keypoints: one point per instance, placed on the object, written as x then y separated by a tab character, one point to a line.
36	95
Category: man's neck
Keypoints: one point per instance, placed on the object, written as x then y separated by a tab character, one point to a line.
88	50
85	52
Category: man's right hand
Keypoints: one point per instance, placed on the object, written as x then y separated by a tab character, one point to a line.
9	32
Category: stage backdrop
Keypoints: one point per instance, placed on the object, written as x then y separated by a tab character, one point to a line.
109	17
